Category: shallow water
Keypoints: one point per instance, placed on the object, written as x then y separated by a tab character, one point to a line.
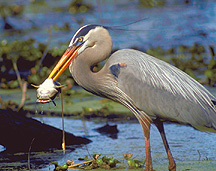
184	142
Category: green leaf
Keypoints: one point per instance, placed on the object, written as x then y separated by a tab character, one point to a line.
54	162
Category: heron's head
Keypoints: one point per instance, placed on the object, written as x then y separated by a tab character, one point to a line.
85	40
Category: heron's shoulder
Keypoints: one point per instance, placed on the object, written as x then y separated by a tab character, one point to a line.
127	60
115	68
118	60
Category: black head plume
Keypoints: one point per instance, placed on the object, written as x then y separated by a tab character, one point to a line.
83	31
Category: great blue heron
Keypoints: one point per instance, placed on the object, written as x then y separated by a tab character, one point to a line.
153	90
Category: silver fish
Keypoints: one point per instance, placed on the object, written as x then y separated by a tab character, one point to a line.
47	91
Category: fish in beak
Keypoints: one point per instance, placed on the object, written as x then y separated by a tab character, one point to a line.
47	91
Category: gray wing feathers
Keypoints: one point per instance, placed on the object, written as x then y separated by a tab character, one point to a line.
161	89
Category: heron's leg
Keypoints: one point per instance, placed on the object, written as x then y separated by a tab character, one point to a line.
145	123
160	127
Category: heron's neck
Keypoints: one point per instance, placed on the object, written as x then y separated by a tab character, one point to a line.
86	78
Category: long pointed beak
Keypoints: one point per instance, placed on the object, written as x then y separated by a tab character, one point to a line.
64	62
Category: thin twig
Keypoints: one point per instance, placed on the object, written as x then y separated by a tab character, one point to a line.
29	166
63	131
88	151
212	51
24	89
199	154
23	85
75	165
17	73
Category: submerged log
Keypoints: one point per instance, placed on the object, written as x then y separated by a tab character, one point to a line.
18	133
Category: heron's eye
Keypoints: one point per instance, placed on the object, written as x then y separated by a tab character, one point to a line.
80	39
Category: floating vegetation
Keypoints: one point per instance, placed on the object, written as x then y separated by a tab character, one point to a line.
58	167
98	162
132	163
